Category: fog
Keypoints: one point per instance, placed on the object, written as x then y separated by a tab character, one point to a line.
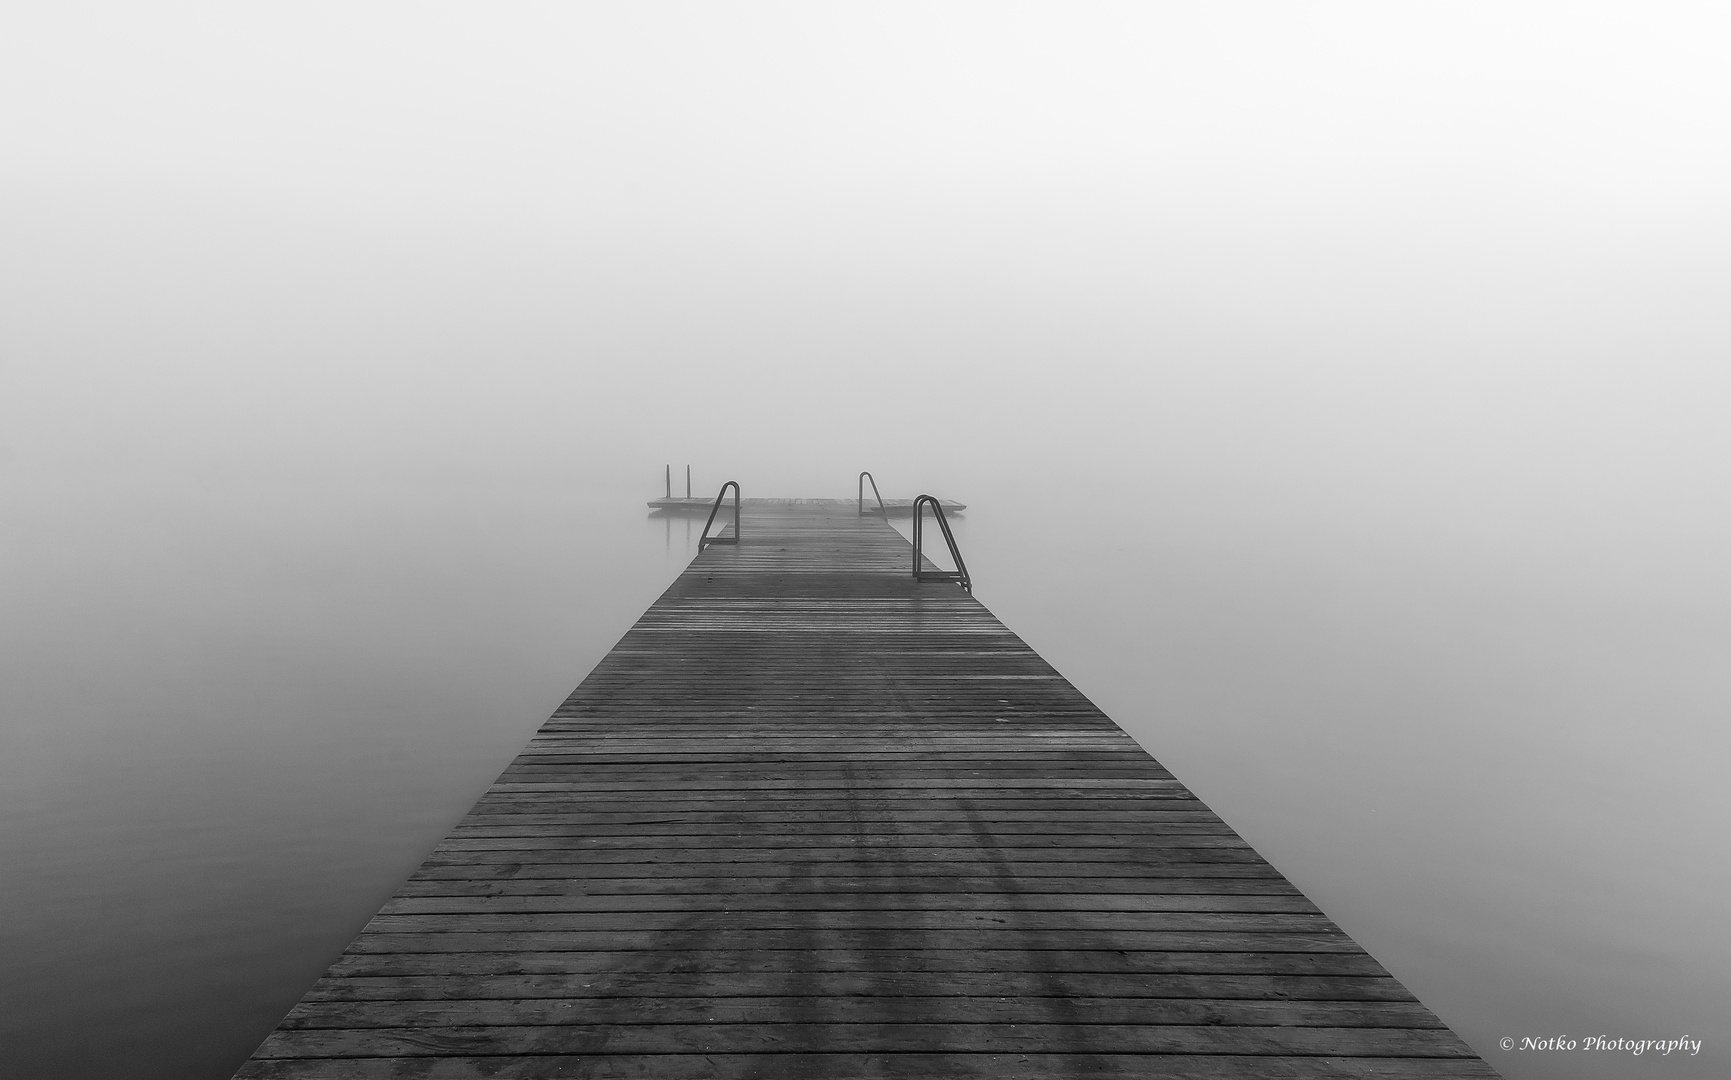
1338	393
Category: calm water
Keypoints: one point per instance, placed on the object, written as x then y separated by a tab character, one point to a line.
236	719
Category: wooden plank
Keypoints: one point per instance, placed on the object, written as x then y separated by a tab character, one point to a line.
830	835
813	818
1011	876
897	1066
732	1008
971	889
901	923
797	939
816	959
884	853
893	1034
900	903
812	812
727	985
1082	874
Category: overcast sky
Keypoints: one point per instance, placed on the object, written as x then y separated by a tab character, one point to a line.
1451	261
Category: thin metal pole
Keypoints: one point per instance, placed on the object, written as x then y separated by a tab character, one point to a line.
960	576
863	477
688	481
670	481
704	538
917	508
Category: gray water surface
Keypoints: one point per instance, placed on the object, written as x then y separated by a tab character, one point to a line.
233	731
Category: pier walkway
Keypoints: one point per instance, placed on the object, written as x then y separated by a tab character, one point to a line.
810	818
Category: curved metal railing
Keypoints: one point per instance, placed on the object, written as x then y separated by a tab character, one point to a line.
863	477
705	538
960	574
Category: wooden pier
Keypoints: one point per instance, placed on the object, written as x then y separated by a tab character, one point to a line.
813	819
674	504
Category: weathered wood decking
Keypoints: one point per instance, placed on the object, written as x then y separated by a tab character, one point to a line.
812	819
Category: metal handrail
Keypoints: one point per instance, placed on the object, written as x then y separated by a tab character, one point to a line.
960	574
863	477
705	538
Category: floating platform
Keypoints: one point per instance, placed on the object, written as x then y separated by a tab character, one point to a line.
894	507
812	818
